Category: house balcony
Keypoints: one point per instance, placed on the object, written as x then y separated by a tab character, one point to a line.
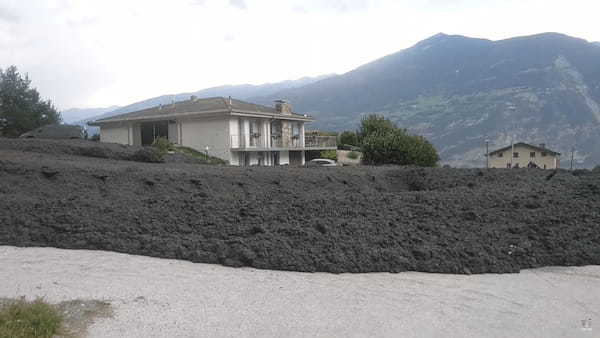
320	142
257	142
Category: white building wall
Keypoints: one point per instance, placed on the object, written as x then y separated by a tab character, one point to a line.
115	134
214	133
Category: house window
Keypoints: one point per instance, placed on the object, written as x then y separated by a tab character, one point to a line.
543	154
255	133
296	129
500	154
515	154
296	134
532	154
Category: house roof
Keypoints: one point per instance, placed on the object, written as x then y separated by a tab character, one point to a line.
523	144
216	105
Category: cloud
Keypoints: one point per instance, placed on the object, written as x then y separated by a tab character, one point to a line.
343	6
198	2
6	15
238	4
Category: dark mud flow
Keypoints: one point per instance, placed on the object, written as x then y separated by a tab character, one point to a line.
350	219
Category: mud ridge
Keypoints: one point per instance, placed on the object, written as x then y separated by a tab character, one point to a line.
349	219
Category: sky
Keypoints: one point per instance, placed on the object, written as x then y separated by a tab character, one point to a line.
87	53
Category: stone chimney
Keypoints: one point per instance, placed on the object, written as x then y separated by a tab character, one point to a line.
283	107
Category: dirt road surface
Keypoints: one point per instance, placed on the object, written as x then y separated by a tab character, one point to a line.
154	297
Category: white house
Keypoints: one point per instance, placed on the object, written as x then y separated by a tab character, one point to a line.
236	131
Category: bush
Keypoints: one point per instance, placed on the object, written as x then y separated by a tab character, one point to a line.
163	145
348	138
29	319
353	155
329	154
398	147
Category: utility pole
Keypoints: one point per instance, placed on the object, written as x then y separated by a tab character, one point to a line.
487	154
572	153
512	150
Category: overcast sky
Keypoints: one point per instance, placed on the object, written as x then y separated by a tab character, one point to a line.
101	53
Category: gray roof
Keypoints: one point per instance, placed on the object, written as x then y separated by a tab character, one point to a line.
540	149
208	105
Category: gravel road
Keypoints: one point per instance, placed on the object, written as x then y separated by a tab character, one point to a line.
154	297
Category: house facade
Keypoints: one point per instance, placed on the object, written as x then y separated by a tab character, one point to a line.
239	132
523	155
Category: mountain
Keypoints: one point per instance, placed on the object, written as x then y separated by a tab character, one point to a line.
597	43
240	92
459	91
75	114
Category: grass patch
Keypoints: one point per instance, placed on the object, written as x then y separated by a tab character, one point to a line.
329	154
196	154
23	319
164	146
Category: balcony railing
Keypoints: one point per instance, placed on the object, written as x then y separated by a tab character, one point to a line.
312	141
286	142
245	141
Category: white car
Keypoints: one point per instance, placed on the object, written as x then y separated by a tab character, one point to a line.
322	162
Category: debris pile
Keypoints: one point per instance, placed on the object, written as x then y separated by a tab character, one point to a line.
347	219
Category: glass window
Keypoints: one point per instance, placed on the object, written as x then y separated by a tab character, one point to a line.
515	154
532	154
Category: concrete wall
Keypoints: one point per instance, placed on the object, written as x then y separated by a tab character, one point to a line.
550	161
174	132
214	133
115	134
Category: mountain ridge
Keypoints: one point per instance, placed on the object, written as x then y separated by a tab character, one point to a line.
243	91
459	91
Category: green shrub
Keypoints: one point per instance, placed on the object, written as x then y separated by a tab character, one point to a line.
353	155
22	319
329	154
163	145
398	147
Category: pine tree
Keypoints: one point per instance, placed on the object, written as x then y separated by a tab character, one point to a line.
21	108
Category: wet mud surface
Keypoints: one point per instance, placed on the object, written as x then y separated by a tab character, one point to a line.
348	219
